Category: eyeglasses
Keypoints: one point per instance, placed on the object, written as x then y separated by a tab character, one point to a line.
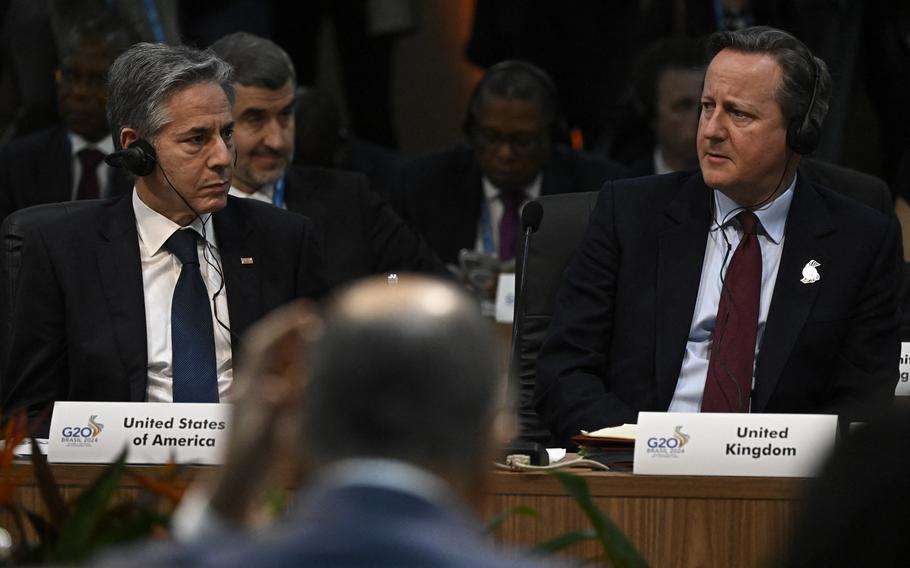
521	143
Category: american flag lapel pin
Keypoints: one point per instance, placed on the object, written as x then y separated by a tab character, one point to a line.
246	260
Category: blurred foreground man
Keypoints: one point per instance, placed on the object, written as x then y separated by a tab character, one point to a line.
745	287
398	439
142	298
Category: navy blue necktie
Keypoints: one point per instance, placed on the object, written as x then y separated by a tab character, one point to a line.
192	333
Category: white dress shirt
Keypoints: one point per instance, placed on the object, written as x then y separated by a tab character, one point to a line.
160	271
726	229
105	146
265	194
491	214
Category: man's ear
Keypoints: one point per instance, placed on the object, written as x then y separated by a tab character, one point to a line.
127	137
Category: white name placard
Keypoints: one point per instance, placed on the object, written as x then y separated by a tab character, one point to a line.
505	298
96	432
903	385
762	445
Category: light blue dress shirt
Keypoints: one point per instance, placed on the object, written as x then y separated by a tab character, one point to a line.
723	238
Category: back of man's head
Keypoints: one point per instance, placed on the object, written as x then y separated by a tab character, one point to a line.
257	62
405	372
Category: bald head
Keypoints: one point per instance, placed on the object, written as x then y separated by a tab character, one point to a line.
405	372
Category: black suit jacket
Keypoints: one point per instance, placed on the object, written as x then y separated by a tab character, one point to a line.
360	233
623	313
38	169
78	321
441	194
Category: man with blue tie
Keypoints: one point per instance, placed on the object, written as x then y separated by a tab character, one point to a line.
742	287
143	298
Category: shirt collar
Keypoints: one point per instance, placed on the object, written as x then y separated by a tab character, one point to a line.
154	228
78	143
264	193
532	190
660	164
388	474
773	216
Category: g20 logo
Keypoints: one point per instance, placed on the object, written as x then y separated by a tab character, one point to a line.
677	441
91	430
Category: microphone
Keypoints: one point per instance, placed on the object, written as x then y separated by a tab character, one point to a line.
531	216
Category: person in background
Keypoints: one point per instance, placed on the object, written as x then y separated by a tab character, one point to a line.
469	197
359	231
65	161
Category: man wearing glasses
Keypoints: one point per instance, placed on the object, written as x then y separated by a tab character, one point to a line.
469	197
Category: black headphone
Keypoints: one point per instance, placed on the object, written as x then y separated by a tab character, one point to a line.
559	130
138	158
803	135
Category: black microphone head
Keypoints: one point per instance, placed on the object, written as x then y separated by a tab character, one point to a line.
531	216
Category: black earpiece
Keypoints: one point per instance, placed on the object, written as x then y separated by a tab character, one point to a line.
559	130
802	135
138	158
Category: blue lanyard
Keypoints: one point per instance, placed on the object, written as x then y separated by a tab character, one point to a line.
154	21
278	195
486	228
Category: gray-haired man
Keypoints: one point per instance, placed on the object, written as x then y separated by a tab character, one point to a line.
142	298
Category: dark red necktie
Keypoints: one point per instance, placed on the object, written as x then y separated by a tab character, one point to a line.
729	383
89	188
508	225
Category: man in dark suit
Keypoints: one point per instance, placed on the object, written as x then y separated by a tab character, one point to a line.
470	197
359	232
64	161
745	287
142	298
402	435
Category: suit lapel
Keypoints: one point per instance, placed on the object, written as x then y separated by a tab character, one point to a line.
302	196
807	220
55	180
681	253
121	282
238	241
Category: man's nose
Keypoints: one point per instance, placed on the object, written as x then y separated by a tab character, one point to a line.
275	136
223	154
712	126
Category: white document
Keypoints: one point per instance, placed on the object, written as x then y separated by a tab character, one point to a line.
505	298
903	384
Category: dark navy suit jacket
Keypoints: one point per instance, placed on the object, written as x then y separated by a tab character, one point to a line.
441	194
622	317
348	526
38	168
78	319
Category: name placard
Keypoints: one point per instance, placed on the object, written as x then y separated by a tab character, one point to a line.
903	385
505	298
762	445
96	432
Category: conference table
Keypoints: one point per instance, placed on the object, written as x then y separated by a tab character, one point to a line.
674	521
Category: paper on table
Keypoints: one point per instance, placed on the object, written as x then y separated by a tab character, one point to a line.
624	432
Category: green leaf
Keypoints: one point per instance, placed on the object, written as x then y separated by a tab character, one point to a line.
75	542
497	521
617	547
563	541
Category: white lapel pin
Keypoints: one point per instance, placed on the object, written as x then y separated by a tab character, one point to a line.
810	274
249	260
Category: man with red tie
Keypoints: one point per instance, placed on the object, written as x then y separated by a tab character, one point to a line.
743	287
65	161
